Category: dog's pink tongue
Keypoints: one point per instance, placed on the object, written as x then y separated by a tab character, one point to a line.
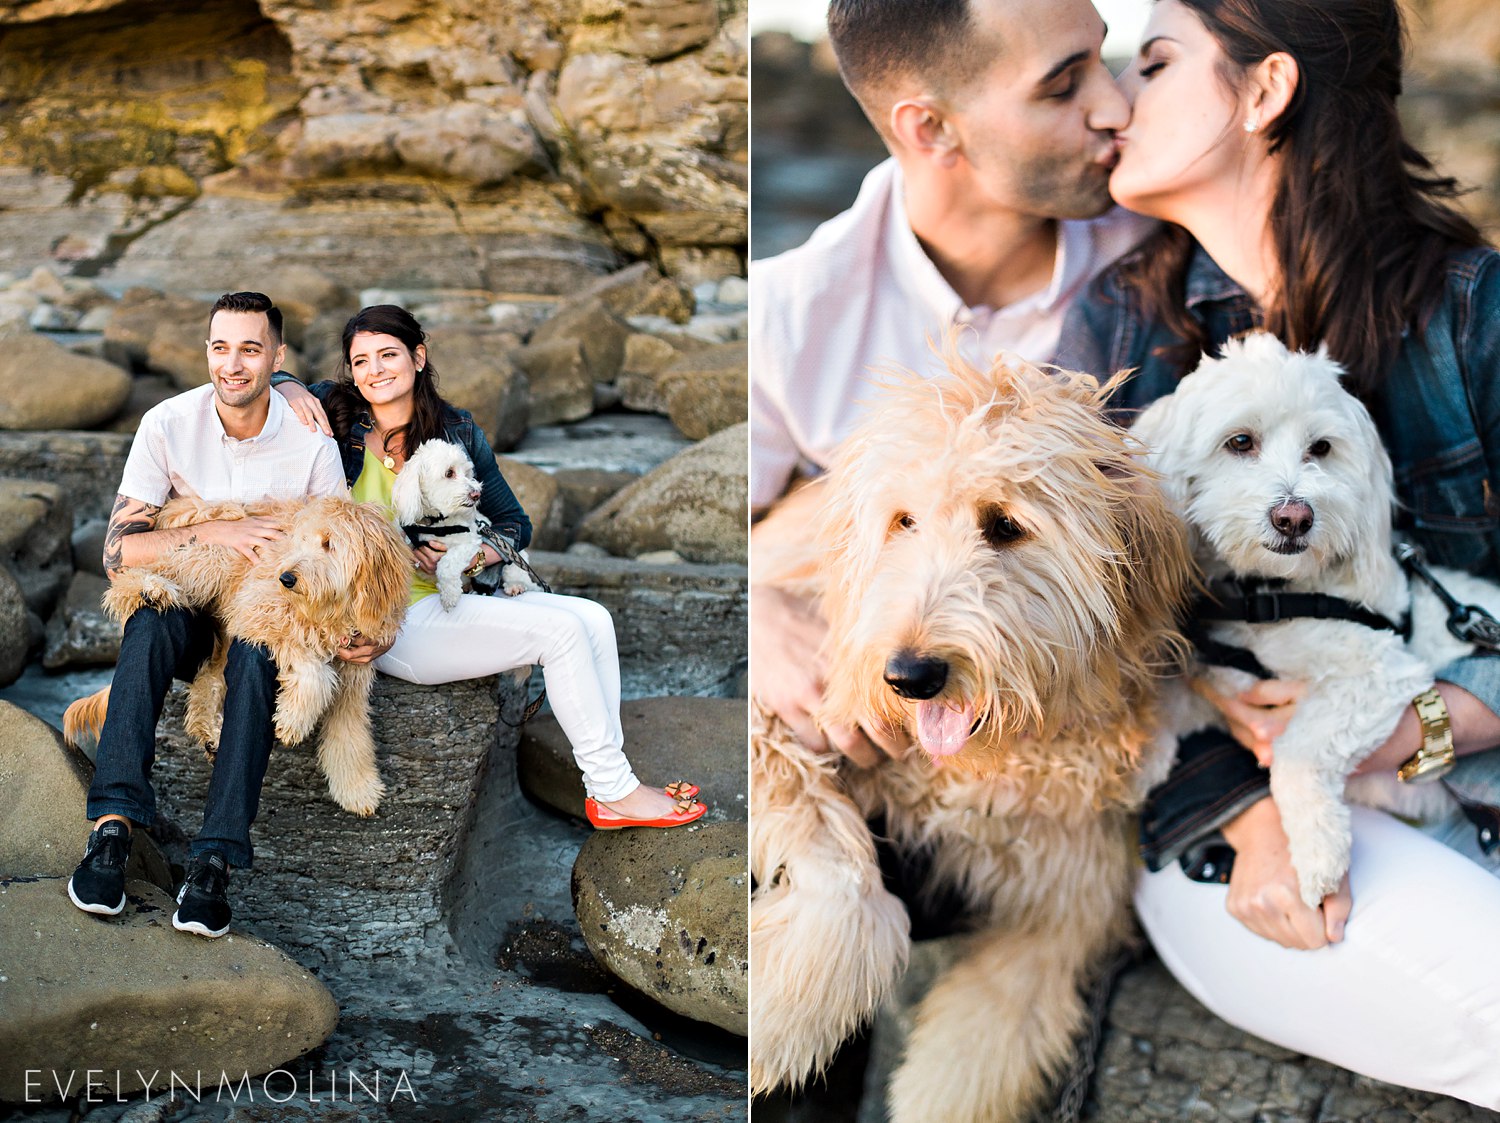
942	730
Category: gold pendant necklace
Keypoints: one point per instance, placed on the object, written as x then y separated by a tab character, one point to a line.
387	459
390	463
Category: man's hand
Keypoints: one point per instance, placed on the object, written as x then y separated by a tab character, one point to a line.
358	649
786	639
248	536
306	406
1263	894
1259	715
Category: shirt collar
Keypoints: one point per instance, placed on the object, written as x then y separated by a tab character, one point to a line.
1207	282
922	279
275	415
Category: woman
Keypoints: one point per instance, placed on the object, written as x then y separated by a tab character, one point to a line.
383	405
1266	132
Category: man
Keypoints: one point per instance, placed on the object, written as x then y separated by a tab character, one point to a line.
229	440
1000	119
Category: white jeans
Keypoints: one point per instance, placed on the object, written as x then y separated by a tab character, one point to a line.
1410	996
572	638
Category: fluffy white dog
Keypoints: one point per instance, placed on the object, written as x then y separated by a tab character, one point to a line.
436	497
1283	480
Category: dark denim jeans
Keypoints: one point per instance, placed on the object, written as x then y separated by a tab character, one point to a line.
155	648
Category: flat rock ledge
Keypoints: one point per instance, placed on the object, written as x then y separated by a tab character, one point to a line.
377	883
129	997
681	628
701	740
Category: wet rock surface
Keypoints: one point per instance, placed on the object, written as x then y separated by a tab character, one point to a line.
79	633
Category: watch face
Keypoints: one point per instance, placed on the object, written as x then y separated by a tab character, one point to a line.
1426	767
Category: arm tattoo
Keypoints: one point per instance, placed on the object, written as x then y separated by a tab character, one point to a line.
130	516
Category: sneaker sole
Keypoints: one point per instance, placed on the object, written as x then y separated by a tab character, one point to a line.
197	929
96	909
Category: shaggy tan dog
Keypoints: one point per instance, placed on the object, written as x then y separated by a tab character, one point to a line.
1001	578
341	570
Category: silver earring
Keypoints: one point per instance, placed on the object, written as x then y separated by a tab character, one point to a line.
1251	126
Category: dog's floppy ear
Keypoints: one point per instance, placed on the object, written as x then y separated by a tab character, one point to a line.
382	583
406	492
1165	428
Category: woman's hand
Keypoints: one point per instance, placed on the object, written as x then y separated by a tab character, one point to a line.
306	406
357	649
1263	894
428	555
1259	715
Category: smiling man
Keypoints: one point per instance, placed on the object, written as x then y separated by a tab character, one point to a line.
989	218
229	440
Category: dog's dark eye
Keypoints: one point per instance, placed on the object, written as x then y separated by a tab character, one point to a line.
1241	443
903	521
1319	449
448	474
326	545
999	529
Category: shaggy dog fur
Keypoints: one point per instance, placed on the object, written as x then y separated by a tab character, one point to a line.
995	526
1242	437
437	487
341	569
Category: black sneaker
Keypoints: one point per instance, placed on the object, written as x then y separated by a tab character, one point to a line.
203	903
98	884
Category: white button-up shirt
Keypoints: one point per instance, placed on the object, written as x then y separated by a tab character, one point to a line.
181	449
862	296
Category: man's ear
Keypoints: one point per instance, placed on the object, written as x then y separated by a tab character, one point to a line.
280	360
923	128
1273	83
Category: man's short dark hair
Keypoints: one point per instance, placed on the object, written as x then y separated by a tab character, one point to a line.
877	41
249	302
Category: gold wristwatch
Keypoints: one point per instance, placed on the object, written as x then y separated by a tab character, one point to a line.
1436	758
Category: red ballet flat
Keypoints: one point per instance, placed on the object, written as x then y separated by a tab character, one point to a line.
686	813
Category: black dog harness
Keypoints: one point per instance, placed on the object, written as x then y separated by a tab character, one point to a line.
1241	601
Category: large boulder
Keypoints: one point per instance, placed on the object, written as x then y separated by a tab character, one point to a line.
694	504
645	357
561	381
697	739
43	799
36	539
476	374
45	386
79	634
706	391
583	489
639	290
542	500
304	294
130	996
667	911
146	392
143	312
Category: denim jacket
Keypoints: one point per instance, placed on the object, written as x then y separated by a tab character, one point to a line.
496	501
1439	415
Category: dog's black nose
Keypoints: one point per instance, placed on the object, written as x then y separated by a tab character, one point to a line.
1293	518
288	579
915	676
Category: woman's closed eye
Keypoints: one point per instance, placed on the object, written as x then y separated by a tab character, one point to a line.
1151	68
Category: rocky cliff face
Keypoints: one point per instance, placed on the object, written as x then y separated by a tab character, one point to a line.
504	145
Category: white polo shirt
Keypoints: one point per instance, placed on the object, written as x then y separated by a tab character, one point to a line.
860	295
181	449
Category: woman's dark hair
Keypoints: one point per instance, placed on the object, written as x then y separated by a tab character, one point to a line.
1361	222
346	403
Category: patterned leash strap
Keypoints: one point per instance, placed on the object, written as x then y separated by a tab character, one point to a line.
1469	622
509	555
1078	1078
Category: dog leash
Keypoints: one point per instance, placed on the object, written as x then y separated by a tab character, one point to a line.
509	555
1468	622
